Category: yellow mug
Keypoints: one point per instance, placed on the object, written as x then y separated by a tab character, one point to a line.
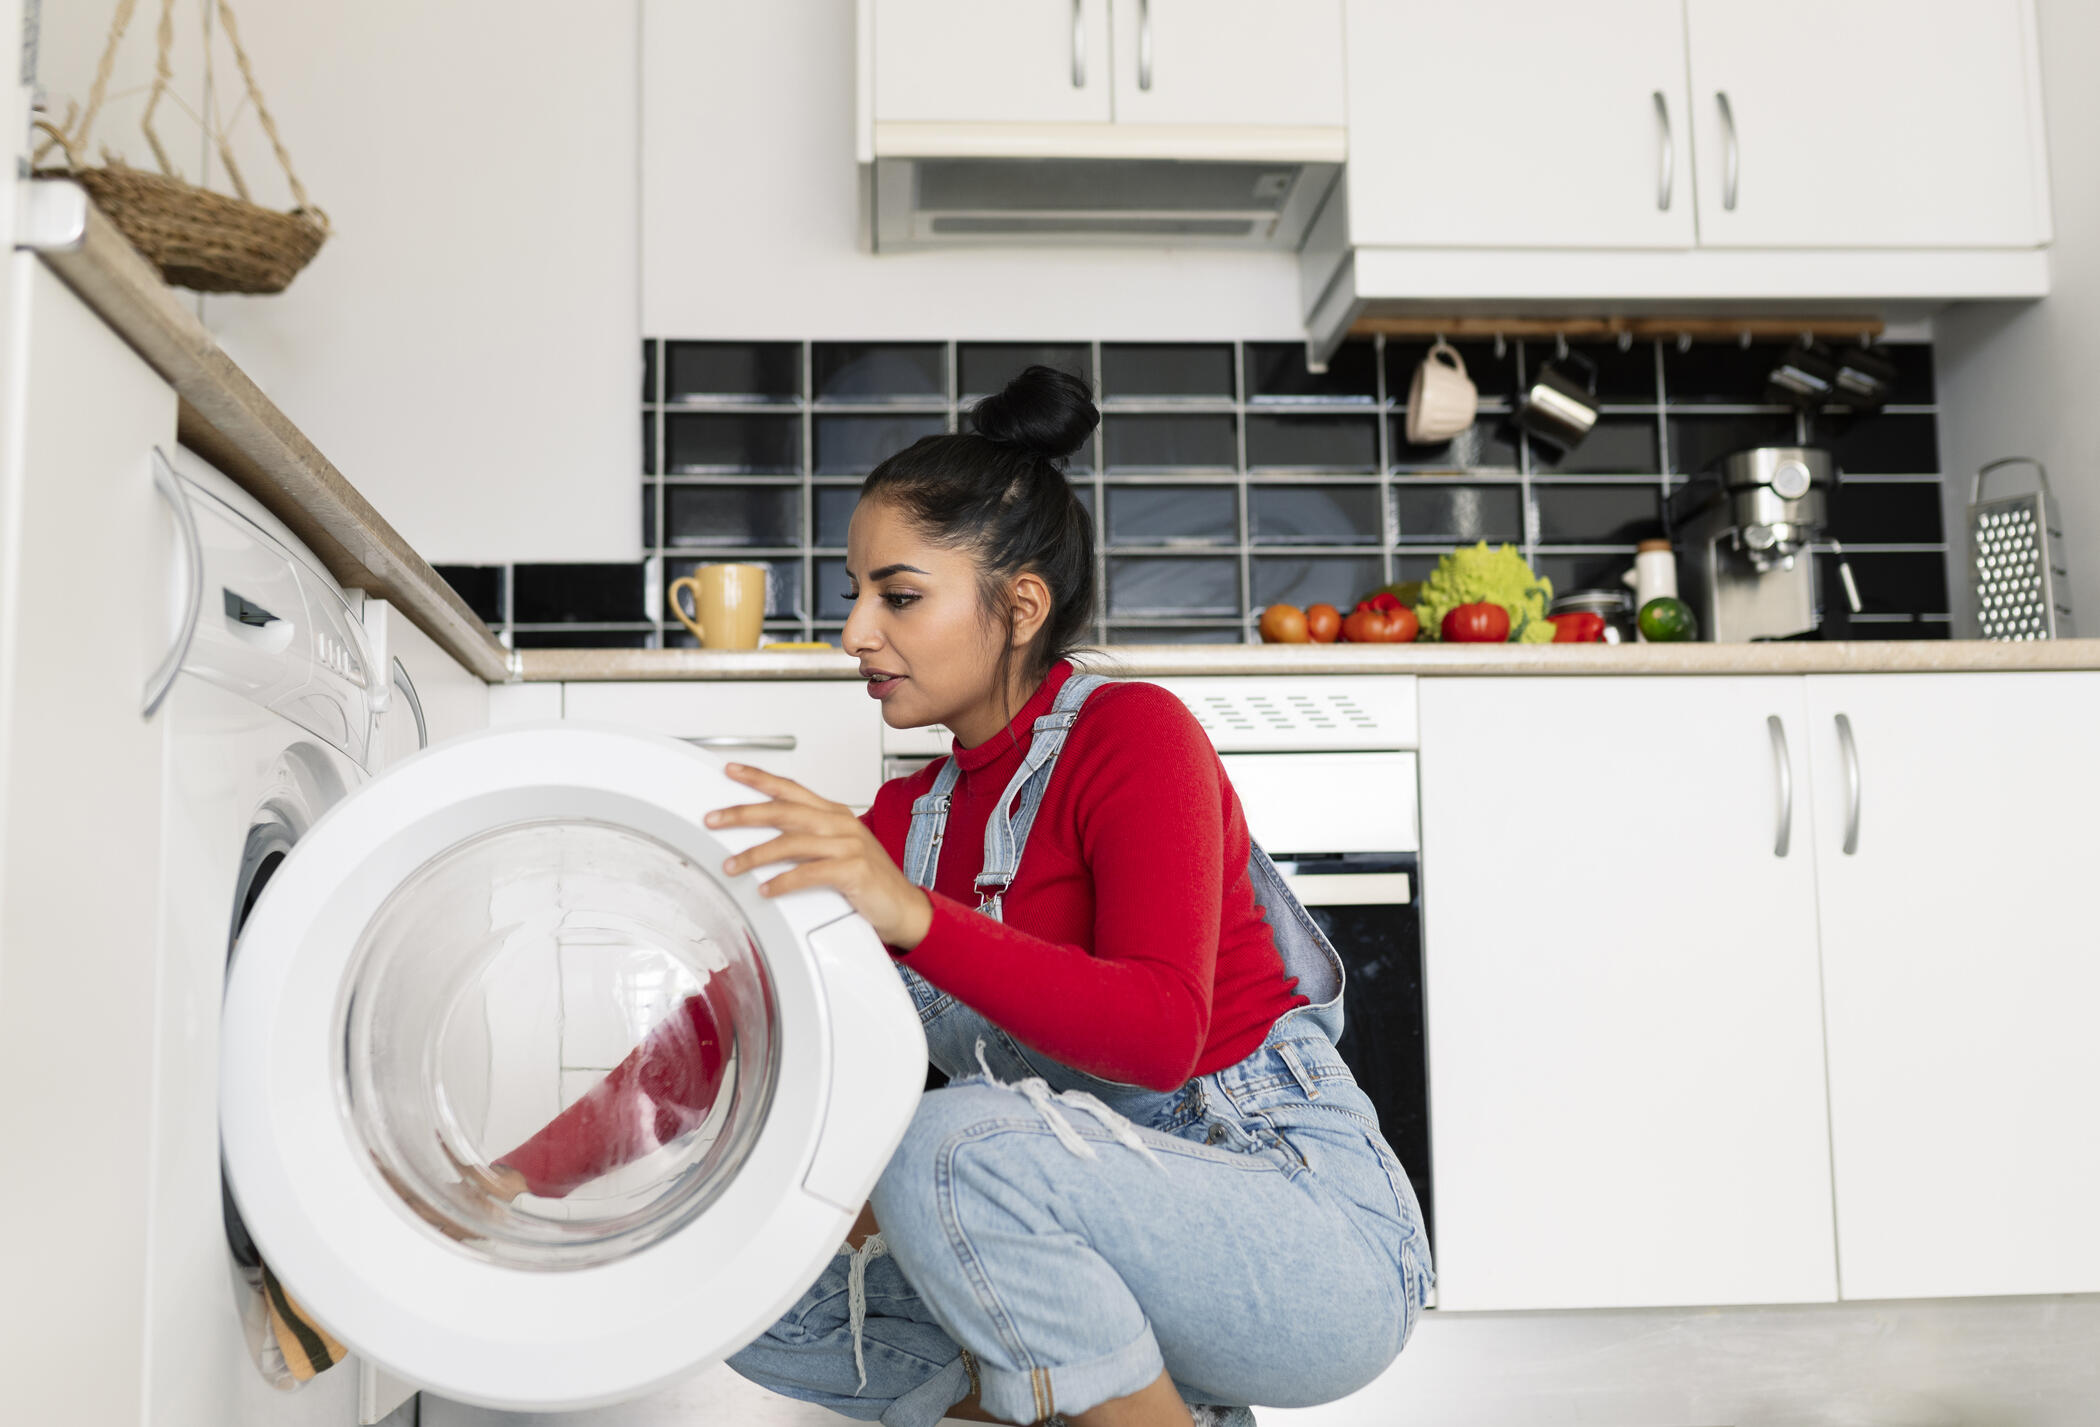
729	602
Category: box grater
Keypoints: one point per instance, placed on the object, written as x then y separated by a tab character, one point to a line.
2016	561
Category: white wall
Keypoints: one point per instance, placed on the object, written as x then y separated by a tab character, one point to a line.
752	223
2018	379
466	347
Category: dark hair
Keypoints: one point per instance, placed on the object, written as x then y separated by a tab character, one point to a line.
997	489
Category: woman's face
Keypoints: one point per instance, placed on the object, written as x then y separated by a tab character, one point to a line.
918	621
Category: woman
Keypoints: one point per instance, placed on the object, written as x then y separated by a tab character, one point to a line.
1152	1181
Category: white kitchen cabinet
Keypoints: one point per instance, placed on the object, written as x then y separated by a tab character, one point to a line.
1219	62
1867	124
826	734
1581	141
964	61
91	597
1052	68
1961	971
1624	1023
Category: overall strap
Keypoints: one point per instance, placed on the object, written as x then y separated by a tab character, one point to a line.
1006	834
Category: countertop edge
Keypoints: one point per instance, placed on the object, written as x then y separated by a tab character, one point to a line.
226	418
1167	660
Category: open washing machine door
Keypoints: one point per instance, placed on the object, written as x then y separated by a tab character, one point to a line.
519	945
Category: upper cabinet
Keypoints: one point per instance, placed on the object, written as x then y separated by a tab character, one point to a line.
1871	123
1848	155
1253	62
1194	79
1581	140
966	62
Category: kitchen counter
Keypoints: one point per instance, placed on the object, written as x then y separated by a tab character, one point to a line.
1867	657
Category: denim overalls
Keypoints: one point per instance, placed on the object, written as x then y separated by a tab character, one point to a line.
1248	1232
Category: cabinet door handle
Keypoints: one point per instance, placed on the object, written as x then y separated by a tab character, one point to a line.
1668	182
1783	767
1145	44
775	742
1848	750
1731	153
1079	44
163	678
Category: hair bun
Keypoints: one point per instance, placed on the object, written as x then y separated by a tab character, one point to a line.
1042	410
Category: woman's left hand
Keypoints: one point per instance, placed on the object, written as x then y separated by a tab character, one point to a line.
833	849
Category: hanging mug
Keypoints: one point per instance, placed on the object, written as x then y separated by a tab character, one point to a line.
1865	379
1443	400
1805	377
1557	407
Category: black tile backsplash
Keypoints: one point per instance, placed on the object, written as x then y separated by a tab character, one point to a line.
879	371
1886	443
1616	446
1314	515
1311	443
1276	372
577	594
1167	371
854	445
1173	515
1227	476
833	511
732	371
753	443
1206	441
1598	513
1438	512
1696	442
1339	580
714	515
1887	513
1489	444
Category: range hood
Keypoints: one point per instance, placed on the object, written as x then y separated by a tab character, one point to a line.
949	200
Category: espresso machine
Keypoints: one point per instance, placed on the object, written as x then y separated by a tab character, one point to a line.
1743	530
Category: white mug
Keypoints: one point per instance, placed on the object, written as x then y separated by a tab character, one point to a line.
1443	400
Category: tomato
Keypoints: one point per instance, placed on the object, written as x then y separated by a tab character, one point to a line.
1324	623
1283	624
1369	625
1481	623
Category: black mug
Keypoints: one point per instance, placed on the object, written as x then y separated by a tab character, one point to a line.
1865	379
1558	408
1805	377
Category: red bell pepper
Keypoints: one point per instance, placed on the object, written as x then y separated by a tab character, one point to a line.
1578	627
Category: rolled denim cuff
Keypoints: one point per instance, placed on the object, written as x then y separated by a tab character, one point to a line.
929	1402
1031	1395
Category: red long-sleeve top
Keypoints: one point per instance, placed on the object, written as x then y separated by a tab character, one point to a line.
1132	947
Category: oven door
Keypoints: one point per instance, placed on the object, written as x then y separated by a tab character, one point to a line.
1368	903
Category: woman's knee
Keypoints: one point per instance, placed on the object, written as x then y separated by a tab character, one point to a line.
905	1195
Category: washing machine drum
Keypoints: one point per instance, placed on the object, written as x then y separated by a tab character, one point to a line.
527	1103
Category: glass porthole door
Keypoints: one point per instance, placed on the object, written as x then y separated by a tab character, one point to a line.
529	1105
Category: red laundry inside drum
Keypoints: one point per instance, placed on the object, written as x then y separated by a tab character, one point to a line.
663	1090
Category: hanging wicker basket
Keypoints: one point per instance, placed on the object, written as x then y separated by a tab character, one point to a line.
205	241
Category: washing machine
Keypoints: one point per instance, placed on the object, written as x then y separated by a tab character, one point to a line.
387	966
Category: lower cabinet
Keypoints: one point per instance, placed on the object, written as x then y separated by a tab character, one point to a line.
820	732
1624	1025
1761	989
1955	858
